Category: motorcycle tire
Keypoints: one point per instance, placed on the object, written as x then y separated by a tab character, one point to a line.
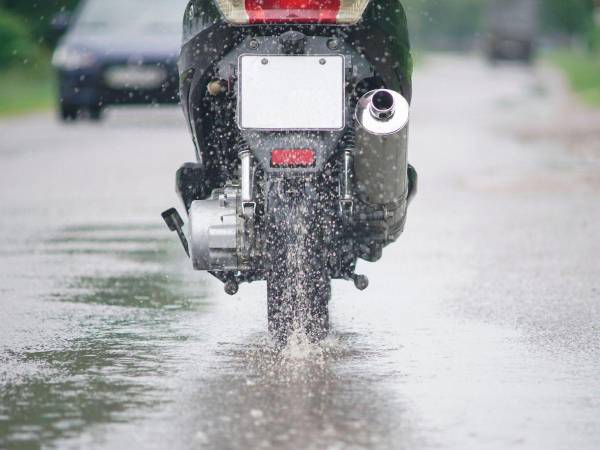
298	285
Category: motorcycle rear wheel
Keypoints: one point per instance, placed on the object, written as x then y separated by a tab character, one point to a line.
298	285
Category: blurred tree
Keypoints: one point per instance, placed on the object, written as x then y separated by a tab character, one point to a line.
574	17
37	14
16	44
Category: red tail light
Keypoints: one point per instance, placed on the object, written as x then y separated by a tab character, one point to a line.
285	11
296	157
292	11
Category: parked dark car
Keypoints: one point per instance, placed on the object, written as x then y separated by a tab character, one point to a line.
119	52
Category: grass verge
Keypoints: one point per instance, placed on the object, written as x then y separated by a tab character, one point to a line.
583	72
26	89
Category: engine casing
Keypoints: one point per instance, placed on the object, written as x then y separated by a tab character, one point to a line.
217	228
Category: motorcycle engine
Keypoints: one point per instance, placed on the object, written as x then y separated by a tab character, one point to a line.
220	232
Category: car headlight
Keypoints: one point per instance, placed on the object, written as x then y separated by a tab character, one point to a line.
72	59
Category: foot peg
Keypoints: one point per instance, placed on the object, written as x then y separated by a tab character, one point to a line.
360	281
175	223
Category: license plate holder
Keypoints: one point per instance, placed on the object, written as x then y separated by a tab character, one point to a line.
291	92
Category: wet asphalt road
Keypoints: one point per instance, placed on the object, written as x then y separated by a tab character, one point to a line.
481	328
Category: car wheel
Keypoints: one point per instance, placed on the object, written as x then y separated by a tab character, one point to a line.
96	113
68	113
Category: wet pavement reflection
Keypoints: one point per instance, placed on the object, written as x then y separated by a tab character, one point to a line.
105	372
120	365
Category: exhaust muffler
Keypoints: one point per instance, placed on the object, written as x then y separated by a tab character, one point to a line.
380	162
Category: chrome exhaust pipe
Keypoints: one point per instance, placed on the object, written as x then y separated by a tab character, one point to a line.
380	163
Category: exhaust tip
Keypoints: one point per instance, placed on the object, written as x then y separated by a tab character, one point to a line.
382	112
382	104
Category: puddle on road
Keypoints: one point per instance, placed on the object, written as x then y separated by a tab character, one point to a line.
151	355
305	395
123	322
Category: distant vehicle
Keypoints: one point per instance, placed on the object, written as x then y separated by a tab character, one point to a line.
512	27
118	52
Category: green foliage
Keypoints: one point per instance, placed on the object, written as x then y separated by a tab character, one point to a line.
572	16
16	44
583	71
27	88
594	40
37	15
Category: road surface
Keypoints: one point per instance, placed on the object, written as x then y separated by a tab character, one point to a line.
481	328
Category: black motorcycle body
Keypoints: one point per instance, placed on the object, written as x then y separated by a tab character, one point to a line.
295	207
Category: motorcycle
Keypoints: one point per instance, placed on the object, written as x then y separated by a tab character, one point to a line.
299	112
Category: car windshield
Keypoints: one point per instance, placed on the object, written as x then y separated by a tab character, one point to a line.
145	16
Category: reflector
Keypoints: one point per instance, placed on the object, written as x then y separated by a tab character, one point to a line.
293	157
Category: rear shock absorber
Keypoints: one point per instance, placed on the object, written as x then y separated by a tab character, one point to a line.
248	202
347	174
246	172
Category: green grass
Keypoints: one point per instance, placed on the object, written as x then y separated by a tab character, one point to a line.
583	72
26	89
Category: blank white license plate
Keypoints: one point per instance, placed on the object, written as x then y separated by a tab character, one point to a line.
291	92
135	77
